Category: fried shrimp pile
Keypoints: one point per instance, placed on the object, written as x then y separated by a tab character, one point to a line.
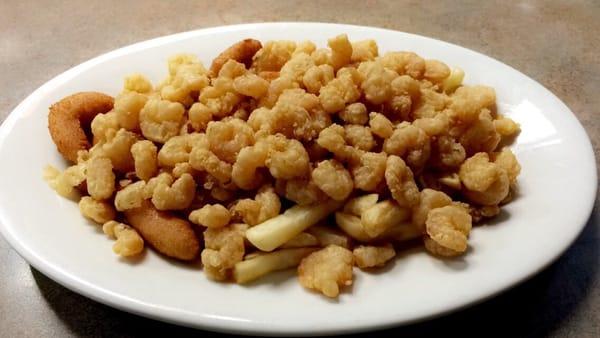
285	155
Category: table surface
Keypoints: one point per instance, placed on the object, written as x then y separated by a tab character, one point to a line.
554	42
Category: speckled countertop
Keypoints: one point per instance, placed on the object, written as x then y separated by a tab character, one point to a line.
554	42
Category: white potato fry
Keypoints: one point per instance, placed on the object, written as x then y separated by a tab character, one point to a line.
352	226
254	255
269	235
302	240
358	205
454	80
328	235
262	264
382	216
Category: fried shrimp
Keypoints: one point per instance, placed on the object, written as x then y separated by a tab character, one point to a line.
242	51
70	117
168	234
242	165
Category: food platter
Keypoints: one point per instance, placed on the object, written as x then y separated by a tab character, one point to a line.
558	174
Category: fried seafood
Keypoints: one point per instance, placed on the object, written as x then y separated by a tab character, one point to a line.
286	155
70	117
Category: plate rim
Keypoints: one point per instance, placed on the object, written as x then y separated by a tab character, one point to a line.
205	321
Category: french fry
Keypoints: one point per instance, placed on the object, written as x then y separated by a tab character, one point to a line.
351	225
302	240
262	264
358	205
454	80
272	233
327	235
382	216
253	255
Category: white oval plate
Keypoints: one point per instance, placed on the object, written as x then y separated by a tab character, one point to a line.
557	188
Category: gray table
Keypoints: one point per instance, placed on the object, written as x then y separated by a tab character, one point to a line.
554	42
